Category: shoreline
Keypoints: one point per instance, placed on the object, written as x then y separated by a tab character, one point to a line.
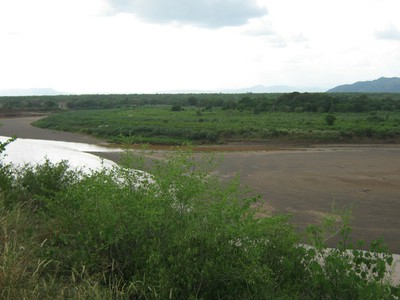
302	180
305	181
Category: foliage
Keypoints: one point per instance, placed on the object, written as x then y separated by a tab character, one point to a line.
6	172
330	119
179	234
176	108
289	102
158	124
150	118
345	272
32	184
3	145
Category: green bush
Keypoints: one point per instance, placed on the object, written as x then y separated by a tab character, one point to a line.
345	272
330	120
30	184
179	234
176	108
185	235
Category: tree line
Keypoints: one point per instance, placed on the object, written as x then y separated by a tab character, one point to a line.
257	103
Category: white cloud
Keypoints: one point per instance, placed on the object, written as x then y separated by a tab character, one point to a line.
80	47
206	13
391	32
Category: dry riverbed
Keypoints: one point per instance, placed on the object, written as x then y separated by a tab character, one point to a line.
303	180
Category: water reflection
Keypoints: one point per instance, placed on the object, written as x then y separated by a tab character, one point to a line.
33	151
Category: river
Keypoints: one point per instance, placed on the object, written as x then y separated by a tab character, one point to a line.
303	181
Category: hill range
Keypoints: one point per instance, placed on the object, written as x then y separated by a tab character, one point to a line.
381	85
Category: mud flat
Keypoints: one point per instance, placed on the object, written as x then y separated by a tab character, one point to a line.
22	128
305	181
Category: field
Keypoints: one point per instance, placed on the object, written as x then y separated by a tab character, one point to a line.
159	124
218	118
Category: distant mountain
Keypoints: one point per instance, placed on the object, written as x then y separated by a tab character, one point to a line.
254	89
381	85
262	89
30	92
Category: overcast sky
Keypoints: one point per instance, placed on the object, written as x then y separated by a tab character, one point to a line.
146	46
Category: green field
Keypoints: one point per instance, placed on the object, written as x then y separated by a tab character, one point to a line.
218	118
159	124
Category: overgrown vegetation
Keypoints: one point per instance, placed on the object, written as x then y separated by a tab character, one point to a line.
158	124
218	118
290	102
180	235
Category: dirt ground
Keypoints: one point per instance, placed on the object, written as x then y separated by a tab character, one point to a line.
21	127
307	182
304	181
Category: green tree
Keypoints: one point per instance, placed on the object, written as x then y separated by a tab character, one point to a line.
176	108
192	101
330	120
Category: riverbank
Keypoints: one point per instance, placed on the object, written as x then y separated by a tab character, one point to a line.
305	181
22	128
302	180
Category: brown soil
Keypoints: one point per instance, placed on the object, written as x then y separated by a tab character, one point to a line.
304	180
21	127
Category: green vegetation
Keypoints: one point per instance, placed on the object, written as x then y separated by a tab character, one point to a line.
67	235
158	124
218	118
330	119
299	102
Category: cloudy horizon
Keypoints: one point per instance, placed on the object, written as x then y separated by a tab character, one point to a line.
148	46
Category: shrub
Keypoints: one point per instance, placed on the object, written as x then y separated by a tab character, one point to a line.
185	236
375	118
33	183
181	234
345	272
330	120
176	108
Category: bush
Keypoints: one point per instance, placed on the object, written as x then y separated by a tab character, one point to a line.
375	118
330	120
345	272
33	183
176	108
186	235
180	234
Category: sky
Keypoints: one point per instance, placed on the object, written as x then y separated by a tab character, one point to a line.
150	46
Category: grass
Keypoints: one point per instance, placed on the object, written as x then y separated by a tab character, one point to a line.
160	125
182	235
